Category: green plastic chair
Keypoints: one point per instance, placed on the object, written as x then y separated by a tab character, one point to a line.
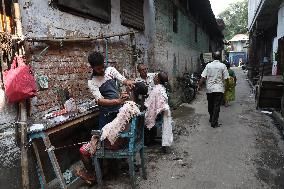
135	137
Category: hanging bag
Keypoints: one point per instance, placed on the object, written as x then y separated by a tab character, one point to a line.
19	82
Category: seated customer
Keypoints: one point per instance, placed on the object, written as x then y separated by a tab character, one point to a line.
157	104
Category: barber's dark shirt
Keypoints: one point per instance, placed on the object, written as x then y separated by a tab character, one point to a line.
106	87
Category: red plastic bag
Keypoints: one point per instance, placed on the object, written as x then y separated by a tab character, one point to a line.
19	82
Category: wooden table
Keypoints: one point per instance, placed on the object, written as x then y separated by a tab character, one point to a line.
44	134
270	92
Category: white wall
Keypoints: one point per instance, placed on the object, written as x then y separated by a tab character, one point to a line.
280	27
239	46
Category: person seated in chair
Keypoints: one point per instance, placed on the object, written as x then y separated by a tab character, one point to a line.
157	106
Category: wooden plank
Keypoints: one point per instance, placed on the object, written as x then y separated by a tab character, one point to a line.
272	79
40	168
71	123
54	162
24	148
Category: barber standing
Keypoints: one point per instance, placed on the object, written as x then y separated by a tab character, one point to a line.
215	74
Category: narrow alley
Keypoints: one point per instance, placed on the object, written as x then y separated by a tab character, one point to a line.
245	152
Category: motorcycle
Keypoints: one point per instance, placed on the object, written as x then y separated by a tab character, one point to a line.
189	85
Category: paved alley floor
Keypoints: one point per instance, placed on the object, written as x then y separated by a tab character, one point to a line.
245	152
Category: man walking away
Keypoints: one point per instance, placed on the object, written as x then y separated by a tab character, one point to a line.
215	74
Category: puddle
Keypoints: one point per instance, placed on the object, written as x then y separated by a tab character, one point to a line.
183	112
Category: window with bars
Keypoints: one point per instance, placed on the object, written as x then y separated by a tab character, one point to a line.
93	9
132	13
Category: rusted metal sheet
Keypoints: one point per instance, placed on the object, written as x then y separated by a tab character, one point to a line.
132	13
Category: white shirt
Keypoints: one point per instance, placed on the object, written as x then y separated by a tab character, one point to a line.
149	81
215	73
97	81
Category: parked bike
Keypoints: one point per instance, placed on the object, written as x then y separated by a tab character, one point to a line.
189	84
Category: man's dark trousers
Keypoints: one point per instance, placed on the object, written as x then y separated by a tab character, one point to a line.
214	103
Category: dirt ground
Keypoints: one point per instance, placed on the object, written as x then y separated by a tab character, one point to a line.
245	152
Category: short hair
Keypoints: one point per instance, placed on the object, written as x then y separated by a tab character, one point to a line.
140	65
140	88
96	59
217	55
228	65
163	77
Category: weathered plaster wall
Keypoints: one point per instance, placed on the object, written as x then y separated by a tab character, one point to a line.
177	52
51	22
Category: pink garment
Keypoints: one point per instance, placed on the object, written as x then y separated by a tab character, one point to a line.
156	103
112	129
126	113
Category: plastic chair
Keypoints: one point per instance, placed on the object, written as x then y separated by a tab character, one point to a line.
135	137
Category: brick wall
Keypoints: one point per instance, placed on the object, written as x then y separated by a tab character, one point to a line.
67	68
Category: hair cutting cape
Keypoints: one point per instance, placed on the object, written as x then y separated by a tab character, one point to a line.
157	103
126	113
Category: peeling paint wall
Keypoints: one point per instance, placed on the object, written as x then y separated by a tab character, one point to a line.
177	52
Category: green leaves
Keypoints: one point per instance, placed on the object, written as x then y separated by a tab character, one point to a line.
235	18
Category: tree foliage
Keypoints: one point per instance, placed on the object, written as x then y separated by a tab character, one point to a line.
235	18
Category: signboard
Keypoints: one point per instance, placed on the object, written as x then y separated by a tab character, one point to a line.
207	57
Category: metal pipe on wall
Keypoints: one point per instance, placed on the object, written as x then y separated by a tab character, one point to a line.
76	39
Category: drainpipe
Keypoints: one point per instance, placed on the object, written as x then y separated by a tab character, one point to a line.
22	110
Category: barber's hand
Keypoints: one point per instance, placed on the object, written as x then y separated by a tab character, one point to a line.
130	84
123	97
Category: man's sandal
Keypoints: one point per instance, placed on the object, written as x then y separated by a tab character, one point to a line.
85	177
